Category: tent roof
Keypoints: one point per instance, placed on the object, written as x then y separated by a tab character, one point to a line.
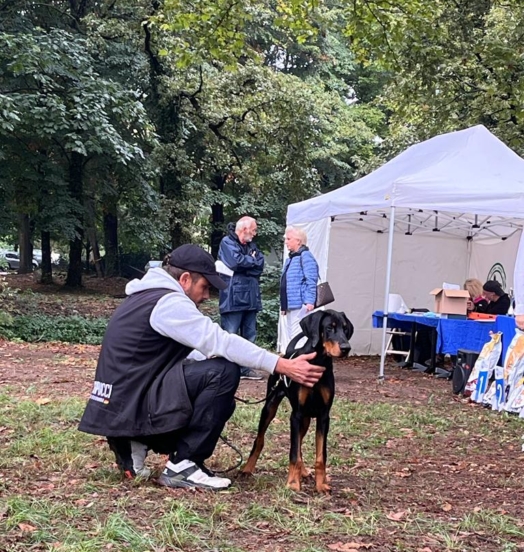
468	171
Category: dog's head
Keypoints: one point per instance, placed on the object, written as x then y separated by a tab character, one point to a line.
330	330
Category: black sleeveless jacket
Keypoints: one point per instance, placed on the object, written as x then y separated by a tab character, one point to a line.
139	384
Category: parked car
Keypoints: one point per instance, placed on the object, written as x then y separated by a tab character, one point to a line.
13	259
37	255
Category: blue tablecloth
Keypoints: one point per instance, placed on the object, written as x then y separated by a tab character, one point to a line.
506	325
452	334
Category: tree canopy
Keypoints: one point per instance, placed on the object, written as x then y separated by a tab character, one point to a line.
131	127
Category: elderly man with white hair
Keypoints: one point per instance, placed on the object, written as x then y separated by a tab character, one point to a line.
241	263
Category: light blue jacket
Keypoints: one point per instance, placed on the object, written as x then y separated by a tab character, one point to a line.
301	279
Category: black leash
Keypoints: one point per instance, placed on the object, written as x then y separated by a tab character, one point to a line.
237	450
229	443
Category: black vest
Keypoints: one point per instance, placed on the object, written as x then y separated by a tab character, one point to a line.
130	397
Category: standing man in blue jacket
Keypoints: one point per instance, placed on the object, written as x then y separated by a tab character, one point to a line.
240	263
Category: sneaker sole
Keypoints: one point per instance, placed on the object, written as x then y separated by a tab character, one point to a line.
252	378
183	484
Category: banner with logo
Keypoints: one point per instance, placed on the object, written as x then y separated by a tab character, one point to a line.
495	260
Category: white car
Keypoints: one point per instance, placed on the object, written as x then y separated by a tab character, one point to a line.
37	255
13	259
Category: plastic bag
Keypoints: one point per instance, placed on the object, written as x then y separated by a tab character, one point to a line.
483	369
495	396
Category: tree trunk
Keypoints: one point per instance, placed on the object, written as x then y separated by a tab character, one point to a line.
217	217
46	266
26	248
166	117
95	250
111	235
92	235
74	272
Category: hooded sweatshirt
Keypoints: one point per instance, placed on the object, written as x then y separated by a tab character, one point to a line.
145	346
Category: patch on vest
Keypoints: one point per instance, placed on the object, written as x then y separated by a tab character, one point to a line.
101	392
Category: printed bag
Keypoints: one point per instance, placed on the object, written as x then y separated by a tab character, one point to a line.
324	292
324	295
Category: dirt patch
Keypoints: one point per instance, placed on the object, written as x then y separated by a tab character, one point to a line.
91	285
98	298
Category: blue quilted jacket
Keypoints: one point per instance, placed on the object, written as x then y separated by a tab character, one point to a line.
301	279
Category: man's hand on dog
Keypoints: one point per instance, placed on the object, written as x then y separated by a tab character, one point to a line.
300	370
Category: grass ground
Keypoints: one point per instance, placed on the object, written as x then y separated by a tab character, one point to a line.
412	468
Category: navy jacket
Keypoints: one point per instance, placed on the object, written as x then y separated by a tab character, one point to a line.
247	263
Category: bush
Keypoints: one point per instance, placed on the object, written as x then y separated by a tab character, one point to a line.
267	320
38	327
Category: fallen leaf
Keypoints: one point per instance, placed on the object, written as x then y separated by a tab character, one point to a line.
26	528
425	549
348	546
446	507
396	516
43	401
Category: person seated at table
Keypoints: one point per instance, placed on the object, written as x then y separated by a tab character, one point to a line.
476	302
499	300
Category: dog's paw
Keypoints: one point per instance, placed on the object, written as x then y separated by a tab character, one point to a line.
293	484
323	488
245	474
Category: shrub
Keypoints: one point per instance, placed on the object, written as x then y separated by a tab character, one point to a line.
39	327
267	320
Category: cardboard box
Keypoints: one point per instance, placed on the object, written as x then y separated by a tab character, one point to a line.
450	301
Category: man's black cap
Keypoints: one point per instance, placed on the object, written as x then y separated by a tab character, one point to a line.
193	258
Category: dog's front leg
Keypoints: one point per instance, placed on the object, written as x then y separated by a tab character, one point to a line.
295	452
266	417
321	454
304	426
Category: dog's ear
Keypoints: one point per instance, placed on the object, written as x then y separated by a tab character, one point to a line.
348	329
310	325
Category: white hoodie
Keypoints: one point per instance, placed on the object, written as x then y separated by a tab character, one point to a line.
176	316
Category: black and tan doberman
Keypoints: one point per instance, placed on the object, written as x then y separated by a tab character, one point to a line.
328	333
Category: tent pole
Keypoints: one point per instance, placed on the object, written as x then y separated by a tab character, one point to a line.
386	294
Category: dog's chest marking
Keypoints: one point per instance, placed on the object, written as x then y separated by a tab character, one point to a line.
326	394
303	394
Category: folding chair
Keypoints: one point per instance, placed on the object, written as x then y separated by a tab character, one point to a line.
390	348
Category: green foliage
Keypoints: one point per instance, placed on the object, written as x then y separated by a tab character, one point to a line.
228	108
267	319
38	327
219	30
461	66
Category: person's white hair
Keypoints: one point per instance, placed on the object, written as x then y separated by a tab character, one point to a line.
244	222
299	233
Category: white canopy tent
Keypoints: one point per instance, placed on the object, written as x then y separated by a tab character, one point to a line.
454	202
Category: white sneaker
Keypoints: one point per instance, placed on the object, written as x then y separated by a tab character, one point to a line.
188	474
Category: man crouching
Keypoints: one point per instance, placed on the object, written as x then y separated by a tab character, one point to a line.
151	391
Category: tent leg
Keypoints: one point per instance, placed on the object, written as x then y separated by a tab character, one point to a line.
386	294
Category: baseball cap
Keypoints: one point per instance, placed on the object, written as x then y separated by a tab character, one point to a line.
193	258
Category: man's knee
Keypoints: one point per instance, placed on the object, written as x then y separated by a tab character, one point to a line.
230	374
